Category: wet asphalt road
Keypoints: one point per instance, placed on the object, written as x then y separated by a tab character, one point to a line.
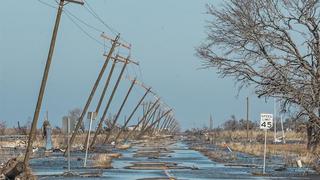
51	167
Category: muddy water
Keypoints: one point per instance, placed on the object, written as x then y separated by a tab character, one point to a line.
194	166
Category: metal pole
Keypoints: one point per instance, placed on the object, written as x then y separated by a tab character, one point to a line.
283	138
265	152
43	85
248	119
88	138
275	119
68	124
94	88
109	102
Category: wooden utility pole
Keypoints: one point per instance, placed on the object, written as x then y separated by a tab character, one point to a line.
141	120
109	101
94	88
151	116
104	91
167	123
119	111
105	87
131	115
157	126
32	133
151	125
145	109
164	123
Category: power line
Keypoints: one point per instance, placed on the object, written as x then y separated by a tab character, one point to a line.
83	30
70	15
94	14
83	22
47	4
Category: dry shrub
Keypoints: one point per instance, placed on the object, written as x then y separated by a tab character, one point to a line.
123	146
102	161
308	159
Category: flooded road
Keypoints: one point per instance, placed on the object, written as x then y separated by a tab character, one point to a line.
190	165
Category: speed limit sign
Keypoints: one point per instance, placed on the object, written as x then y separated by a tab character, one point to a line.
266	121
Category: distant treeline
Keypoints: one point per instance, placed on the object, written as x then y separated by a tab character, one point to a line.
233	124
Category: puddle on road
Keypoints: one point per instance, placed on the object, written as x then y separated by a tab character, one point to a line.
46	168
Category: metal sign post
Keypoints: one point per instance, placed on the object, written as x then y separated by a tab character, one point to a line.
68	124
266	122
91	116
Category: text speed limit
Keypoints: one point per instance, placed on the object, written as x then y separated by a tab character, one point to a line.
266	121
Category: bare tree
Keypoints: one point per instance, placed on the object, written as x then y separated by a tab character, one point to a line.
74	115
273	46
232	124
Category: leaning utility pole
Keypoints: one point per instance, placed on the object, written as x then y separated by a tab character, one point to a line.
141	120
151	125
131	115
104	91
151	116
109	101
94	88
119	112
167	123
44	81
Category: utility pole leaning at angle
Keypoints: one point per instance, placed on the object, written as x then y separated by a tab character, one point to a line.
141	120
93	90
104	91
119	111
125	62
131	115
150	126
44	80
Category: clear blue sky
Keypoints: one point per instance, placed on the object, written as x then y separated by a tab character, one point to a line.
164	35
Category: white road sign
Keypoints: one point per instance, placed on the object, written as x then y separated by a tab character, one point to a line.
266	121
92	115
